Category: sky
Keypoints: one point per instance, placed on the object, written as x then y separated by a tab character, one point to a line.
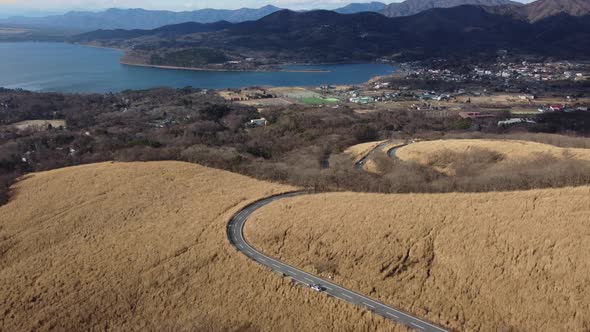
57	6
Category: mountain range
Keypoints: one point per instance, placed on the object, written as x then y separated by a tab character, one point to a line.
114	18
540	10
326	36
354	8
412	7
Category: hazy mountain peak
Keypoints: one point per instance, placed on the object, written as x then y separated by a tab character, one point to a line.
542	9
412	7
138	18
361	7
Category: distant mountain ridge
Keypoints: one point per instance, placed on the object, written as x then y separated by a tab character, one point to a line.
354	8
532	12
130	19
412	7
115	18
328	37
140	19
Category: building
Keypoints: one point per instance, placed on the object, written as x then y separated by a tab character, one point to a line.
362	100
510	122
257	123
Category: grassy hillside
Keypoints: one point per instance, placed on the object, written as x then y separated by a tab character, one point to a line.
142	246
508	150
478	165
472	262
357	152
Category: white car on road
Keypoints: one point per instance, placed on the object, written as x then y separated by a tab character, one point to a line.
317	287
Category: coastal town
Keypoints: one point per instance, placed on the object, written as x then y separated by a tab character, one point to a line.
501	94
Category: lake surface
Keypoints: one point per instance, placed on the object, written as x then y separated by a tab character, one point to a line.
73	68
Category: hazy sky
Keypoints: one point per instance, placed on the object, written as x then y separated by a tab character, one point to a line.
62	5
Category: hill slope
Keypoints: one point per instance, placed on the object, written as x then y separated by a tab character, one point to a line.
513	261
143	246
543	9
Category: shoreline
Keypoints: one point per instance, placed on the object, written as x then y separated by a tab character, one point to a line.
101	47
273	70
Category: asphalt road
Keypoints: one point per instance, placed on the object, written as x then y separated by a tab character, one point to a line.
392	153
235	231
361	163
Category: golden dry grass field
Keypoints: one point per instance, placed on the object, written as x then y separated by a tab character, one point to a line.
432	153
143	247
359	151
506	261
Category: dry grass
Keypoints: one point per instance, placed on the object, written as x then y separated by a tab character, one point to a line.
513	261
142	246
266	102
359	151
557	140
482	165
428	152
293	92
371	165
39	124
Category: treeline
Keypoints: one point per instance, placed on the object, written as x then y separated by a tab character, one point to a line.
301	146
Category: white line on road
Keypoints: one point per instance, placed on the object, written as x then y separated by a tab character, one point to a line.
392	315
346	295
368	305
418	326
308	279
275	265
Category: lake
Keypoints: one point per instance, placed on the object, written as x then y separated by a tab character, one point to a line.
73	68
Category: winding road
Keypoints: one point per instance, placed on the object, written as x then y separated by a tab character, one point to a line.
235	232
391	153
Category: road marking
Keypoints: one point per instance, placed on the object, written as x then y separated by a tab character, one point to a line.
392	315
418	326
240	246
308	279
328	288
262	260
275	265
348	296
368	305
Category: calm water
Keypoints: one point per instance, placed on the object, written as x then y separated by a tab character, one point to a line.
73	68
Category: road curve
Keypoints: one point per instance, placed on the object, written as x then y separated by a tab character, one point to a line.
392	153
359	165
235	232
